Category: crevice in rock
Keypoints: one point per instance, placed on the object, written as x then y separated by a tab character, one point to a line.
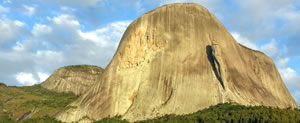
214	64
169	97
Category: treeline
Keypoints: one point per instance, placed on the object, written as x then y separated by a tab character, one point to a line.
226	113
229	113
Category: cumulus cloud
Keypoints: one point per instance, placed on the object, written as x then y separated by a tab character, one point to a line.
18	47
29	79
67	9
40	30
106	36
271	49
6	2
11	29
3	9
244	41
289	75
81	3
58	31
59	42
42	76
26	78
29	10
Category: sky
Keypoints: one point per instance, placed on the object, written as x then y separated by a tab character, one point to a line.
39	36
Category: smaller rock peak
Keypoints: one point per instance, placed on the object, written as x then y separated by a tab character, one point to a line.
74	78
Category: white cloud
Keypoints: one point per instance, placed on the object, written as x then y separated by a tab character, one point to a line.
42	76
81	3
48	57
18	47
58	30
10	29
271	49
288	74
296	95
40	29
3	9
106	36
283	62
26	78
67	9
139	7
244	41
65	20
6	1
29	10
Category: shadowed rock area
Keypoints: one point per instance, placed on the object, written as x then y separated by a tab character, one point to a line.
178	59
214	64
76	79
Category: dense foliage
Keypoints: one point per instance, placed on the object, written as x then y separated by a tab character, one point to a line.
116	119
224	113
82	68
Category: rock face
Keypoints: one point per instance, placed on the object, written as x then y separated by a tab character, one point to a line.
178	59
77	79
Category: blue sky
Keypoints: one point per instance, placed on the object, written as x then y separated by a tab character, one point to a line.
38	37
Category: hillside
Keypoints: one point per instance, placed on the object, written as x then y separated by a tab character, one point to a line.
25	103
76	78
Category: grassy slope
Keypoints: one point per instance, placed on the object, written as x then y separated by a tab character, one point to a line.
16	101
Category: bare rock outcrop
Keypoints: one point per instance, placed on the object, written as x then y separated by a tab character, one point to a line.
178	59
76	79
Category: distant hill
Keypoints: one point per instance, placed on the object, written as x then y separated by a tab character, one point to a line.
76	79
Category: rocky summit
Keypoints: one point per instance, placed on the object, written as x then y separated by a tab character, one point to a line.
76	79
176	59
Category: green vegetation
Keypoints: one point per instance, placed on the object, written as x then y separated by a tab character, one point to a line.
31	104
116	119
224	113
44	119
2	84
82	68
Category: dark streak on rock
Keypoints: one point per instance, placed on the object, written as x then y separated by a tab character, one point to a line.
213	61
